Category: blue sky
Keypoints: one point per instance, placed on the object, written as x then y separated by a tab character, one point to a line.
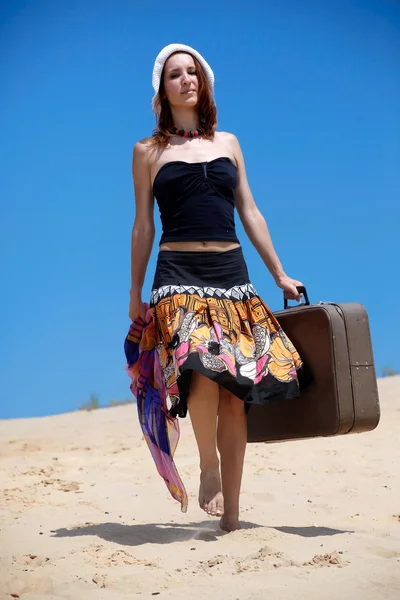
312	91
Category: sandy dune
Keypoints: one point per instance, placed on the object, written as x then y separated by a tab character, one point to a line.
85	516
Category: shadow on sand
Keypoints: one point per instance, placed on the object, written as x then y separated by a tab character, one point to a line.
150	533
311	531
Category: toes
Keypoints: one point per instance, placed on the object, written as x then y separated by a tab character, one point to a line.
211	508
207	507
210	496
215	508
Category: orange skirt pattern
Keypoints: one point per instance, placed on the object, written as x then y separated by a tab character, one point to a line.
227	333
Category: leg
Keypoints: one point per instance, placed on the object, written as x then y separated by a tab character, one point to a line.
203	409
232	439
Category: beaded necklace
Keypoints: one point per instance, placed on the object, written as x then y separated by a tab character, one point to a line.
190	134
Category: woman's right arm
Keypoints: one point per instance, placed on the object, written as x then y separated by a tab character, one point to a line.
143	229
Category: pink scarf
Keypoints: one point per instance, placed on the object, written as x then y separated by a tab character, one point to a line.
160	430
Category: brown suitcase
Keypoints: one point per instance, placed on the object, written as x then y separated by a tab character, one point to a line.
335	344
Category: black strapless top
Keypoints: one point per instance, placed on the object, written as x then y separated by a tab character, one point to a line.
196	200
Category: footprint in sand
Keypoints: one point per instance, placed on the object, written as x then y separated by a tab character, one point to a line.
63	486
99	580
11	493
47	471
101	557
217	560
331	559
208	566
31	560
16	496
265	559
271	557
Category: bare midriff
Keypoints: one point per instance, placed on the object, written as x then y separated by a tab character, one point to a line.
207	246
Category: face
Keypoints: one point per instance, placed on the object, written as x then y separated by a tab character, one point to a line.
180	80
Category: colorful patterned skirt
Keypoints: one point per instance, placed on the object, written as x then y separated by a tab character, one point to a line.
209	319
204	316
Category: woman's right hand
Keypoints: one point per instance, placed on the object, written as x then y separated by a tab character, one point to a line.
136	307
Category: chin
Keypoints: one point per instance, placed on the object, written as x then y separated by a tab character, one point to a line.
191	101
181	102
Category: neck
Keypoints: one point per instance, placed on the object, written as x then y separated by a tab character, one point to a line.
186	119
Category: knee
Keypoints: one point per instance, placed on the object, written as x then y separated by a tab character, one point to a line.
230	404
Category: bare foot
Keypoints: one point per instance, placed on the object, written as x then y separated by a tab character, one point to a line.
229	523
211	499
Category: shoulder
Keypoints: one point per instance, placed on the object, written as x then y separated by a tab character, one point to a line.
141	150
226	136
231	143
142	161
229	140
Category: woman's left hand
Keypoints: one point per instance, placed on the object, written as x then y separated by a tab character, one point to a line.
289	286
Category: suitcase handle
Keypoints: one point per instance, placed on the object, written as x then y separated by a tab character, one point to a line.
302	290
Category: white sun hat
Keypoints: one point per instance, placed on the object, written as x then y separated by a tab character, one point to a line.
166	53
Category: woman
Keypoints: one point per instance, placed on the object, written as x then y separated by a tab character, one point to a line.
218	345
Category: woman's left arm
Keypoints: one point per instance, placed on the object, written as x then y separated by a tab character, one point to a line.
257	230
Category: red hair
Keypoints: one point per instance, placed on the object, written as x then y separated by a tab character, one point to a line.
206	109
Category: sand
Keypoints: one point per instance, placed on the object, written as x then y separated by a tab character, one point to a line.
84	515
